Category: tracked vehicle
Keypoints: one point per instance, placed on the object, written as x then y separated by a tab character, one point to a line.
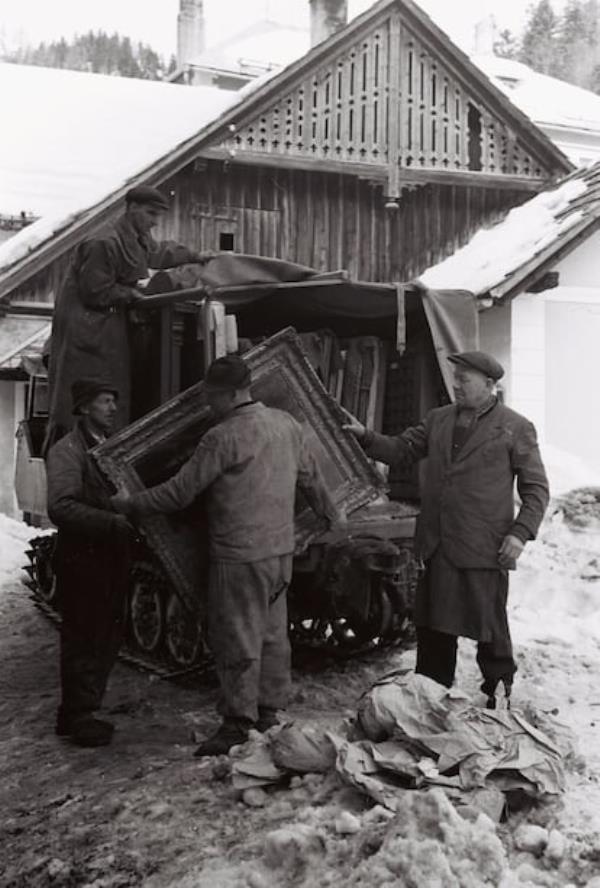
316	343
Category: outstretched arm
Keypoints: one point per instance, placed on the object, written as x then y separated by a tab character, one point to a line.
410	446
170	254
179	491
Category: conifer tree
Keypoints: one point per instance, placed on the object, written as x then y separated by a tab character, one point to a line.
538	46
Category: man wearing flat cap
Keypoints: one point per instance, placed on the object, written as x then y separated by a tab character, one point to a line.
91	561
467	533
90	335
249	464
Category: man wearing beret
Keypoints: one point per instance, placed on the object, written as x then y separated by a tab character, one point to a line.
90	335
467	532
249	464
91	561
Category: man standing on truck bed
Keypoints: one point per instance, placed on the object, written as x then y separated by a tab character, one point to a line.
92	564
90	335
249	464
467	533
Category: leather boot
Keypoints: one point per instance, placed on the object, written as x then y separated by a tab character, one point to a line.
230	733
267	718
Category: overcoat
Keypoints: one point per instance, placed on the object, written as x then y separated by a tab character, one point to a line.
468	502
90	336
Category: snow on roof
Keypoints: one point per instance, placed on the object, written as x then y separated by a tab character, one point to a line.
70	138
265	44
546	100
494	253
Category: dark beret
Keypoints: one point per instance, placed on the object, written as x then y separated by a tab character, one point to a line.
227	374
478	360
85	390
144	194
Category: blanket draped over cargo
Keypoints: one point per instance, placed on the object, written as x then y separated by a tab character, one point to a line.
270	293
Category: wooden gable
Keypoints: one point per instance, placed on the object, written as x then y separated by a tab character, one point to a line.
392	98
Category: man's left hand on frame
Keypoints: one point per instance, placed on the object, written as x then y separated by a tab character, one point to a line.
121	501
509	551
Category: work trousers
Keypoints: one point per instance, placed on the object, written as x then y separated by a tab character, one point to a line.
436	658
248	634
92	595
453	602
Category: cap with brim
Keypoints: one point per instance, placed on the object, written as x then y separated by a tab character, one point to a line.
85	390
480	361
227	374
145	194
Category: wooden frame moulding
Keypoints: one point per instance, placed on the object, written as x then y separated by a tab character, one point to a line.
155	446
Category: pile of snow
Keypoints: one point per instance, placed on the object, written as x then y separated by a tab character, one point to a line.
494	253
566	471
14	540
555	592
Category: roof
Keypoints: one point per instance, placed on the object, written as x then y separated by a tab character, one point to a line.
546	100
503	260
21	343
263	45
49	238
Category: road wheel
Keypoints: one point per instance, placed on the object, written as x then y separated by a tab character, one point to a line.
146	617
183	638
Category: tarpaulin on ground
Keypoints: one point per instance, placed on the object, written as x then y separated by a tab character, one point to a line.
292	294
415	734
416	726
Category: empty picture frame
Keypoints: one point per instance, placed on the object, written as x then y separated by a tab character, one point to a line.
153	448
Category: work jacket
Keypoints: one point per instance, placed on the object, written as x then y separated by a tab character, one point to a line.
89	330
92	538
248	465
467	502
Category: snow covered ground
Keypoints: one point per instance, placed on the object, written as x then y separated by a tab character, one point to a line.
144	812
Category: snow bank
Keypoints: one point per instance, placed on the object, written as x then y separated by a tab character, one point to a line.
566	471
493	253
555	592
14	538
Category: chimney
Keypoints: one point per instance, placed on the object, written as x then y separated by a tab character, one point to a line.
190	31
326	17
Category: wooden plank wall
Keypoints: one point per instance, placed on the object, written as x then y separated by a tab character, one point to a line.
329	221
324	220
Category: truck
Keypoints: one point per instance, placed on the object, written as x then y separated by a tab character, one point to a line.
318	343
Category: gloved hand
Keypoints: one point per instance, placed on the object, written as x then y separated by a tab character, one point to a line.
123	529
121	501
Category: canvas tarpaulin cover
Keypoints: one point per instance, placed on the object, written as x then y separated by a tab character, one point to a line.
288	291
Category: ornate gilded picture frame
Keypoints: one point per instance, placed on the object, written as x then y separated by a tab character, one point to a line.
155	446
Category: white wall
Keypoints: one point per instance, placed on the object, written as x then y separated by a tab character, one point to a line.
573	372
528	359
555	356
581	268
495	338
11	411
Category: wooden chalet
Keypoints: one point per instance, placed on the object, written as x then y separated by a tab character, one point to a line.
379	151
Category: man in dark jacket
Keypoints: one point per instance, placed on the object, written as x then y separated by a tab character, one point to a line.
249	464
90	335
467	532
91	562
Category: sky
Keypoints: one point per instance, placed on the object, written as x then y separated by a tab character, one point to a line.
154	21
